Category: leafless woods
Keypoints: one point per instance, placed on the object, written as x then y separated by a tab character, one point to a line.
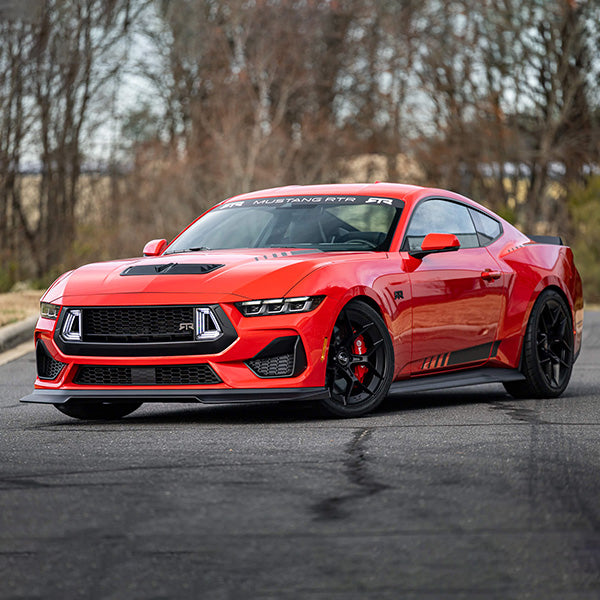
194	101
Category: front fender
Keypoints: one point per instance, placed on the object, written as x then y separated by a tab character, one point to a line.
381	283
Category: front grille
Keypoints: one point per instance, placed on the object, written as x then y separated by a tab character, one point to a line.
138	324
201	374
274	366
47	367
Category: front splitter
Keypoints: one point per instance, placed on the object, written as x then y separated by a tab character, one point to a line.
223	396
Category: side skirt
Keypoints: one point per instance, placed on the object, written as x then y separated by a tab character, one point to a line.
456	379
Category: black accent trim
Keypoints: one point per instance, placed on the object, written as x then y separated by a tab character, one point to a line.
103	375
220	396
455	379
47	367
553	240
420	254
280	347
473	354
171	269
197	347
495	347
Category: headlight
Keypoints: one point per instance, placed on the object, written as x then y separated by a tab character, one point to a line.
278	306
49	311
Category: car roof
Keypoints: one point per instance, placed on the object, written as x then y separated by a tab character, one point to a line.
408	193
396	190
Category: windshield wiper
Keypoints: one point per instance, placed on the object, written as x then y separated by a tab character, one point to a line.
192	249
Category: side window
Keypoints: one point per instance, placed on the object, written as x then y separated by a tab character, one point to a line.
488	229
440	216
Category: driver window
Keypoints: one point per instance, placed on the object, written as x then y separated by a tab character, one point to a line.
440	216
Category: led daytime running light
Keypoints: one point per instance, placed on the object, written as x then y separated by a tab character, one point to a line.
49	311
278	306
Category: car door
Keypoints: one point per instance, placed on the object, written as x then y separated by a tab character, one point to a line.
457	296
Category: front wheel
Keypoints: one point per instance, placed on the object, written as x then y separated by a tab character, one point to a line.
547	359
95	411
360	366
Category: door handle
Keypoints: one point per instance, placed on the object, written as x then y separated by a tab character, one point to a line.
489	275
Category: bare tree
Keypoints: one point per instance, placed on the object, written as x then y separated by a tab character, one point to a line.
57	62
508	82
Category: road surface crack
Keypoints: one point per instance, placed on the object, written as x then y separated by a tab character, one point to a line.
361	481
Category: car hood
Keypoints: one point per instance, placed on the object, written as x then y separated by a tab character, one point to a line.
209	276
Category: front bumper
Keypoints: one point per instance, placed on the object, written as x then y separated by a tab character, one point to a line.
204	396
242	371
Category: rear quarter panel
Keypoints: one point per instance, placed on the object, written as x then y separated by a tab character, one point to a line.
530	268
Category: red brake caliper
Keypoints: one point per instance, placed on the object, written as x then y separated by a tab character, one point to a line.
359	347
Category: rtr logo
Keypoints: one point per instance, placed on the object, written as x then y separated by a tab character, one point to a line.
399	295
387	201
186	326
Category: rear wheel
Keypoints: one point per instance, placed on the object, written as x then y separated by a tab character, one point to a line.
360	366
97	410
547	359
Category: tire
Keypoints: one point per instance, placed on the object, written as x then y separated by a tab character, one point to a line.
360	365
95	411
547	359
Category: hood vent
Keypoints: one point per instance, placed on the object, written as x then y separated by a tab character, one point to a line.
171	269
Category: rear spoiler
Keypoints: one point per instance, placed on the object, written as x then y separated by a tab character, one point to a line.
554	240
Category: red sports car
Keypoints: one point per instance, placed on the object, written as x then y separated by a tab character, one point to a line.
341	294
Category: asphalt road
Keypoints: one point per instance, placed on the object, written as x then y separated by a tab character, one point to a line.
466	494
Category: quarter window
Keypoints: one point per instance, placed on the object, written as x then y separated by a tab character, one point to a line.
488	229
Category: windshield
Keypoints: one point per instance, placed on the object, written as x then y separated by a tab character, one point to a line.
325	223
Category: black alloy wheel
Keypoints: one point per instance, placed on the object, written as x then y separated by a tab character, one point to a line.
96	411
360	366
547	359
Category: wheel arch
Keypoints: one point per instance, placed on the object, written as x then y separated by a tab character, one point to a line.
379	362
367	300
537	292
544	285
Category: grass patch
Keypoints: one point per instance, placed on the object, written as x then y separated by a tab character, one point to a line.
15	306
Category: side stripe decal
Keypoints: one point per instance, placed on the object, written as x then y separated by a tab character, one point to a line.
459	357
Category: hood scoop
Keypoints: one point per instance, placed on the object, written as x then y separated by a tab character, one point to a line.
171	269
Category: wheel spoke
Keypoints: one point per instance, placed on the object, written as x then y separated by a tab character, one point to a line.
358	333
557	359
544	322
363	387
357	368
349	389
562	327
566	345
373	347
348	323
374	371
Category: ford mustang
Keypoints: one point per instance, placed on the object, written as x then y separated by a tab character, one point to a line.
338	294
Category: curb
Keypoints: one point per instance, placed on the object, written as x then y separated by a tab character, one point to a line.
16	333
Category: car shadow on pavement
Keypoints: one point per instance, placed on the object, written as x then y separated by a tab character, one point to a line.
291	412
277	413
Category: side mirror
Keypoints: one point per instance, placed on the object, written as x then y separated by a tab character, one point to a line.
155	247
435	243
